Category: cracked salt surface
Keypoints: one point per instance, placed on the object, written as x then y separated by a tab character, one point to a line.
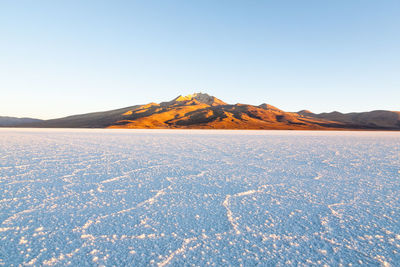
160	198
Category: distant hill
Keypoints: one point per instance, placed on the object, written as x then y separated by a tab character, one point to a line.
373	119
202	111
13	121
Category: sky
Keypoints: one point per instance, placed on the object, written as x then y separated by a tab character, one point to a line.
66	57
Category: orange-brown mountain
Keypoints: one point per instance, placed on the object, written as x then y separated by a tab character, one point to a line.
202	111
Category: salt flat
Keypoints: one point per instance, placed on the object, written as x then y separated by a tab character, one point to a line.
175	197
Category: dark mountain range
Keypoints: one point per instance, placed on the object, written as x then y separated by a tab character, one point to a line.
13	121
202	111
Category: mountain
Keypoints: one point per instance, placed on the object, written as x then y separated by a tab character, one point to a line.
202	111
373	119
13	121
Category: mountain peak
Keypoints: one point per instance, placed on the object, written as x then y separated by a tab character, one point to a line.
304	112
269	107
200	97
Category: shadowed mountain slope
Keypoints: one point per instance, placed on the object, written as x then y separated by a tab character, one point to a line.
202	111
372	119
13	121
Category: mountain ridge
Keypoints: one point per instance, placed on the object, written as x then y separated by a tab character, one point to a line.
6	121
203	111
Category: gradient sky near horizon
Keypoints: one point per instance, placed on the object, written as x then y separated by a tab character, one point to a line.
60	58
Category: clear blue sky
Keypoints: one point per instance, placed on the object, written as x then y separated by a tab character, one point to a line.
60	58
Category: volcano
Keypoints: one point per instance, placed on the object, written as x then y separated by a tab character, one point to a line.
203	111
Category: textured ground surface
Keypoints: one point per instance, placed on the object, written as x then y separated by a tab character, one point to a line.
88	197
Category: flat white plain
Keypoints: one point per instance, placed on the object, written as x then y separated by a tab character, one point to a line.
192	197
